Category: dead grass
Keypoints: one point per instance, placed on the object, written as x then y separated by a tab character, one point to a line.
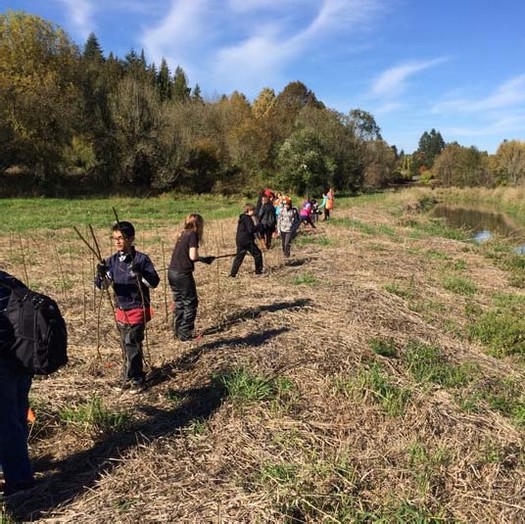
311	452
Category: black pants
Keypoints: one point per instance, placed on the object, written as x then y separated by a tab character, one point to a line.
14	403
266	233
186	302
307	221
286	239
131	337
326	214
254	251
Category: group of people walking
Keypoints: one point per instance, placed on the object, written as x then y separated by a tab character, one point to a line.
274	216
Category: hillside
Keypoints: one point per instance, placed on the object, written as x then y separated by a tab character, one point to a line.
361	381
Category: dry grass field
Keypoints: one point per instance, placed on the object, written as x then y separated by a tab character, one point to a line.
359	381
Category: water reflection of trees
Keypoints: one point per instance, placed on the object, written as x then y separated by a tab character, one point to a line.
481	220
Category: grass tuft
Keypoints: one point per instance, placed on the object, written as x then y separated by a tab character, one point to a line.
426	364
93	415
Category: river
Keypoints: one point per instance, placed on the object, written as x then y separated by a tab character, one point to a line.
484	223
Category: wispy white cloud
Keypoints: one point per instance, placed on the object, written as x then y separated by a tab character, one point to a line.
499	126
81	14
508	94
248	44
393	81
251	5
183	29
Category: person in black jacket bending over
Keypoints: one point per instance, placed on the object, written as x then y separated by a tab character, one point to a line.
245	240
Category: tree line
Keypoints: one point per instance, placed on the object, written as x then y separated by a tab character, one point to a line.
73	119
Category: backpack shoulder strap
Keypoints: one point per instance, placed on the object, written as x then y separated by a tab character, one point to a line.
13	284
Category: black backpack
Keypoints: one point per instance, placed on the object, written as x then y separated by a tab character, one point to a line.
39	330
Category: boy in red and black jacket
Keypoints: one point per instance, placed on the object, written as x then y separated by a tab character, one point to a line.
131	274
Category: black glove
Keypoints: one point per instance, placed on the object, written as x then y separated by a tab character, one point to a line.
206	260
135	270
102	269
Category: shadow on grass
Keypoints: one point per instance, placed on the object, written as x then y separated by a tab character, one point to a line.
70	477
296	262
190	358
255	312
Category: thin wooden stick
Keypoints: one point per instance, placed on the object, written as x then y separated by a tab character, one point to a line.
166	284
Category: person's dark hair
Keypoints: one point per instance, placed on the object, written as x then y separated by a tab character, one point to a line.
248	208
126	228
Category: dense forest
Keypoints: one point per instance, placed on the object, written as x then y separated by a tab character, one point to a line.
73	120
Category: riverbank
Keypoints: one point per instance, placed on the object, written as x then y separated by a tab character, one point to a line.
509	200
377	374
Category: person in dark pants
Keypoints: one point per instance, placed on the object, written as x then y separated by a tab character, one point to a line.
266	220
287	223
245	240
181	280
14	405
131	274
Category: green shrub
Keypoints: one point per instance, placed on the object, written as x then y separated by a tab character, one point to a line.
306	279
391	397
242	386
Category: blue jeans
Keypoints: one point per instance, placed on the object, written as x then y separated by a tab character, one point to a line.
14	403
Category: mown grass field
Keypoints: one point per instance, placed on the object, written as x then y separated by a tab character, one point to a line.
377	376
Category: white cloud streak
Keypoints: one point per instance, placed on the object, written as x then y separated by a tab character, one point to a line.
508	94
248	44
393	81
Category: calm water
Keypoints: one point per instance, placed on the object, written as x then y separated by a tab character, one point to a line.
484	224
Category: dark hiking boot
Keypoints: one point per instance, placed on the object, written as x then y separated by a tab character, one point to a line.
137	386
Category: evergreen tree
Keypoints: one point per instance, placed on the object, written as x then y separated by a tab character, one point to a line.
92	50
164	85
429	147
181	91
196	95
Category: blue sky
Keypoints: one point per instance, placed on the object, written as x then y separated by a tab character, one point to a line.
456	65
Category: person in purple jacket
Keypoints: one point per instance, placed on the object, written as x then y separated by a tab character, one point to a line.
245	240
130	274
